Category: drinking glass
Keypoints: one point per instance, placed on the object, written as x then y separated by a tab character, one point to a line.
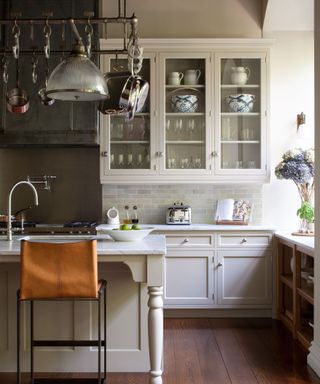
191	127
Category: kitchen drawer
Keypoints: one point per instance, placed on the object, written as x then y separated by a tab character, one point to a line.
244	240
188	241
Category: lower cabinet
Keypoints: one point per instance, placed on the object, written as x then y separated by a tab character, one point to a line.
218	270
189	278
244	277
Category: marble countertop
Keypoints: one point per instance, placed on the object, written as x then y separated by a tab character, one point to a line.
304	241
151	245
198	227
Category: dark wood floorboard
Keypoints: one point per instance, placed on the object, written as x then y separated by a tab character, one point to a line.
222	351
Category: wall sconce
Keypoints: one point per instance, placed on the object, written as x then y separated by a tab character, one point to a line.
301	119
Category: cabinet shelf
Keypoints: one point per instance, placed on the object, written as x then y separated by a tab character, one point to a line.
185	142
287	280
246	114
183	86
231	86
129	142
307	294
240	142
185	114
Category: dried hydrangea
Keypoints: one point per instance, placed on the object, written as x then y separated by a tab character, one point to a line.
298	165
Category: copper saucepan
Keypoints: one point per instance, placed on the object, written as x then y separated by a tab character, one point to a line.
17	98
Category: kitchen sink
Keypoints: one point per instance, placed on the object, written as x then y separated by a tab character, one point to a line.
57	238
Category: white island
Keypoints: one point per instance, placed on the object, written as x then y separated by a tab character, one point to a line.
134	272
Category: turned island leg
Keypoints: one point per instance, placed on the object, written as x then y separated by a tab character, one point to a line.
155	332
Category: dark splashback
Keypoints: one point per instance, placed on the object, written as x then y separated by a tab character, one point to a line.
63	123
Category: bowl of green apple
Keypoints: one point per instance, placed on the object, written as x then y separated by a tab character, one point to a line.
129	232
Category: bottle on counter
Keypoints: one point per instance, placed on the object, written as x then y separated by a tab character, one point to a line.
126	219
135	219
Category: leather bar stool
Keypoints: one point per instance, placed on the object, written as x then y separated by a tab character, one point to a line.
61	271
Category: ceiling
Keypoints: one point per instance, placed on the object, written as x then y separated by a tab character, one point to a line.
289	15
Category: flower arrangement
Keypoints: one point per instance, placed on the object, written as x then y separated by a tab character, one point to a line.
298	165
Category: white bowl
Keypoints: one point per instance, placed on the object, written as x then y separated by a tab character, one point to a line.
243	102
184	103
130	234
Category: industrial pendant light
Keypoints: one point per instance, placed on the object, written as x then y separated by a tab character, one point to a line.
77	78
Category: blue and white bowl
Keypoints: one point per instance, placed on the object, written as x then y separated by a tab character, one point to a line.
184	103
242	102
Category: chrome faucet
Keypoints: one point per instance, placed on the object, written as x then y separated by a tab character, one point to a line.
9	228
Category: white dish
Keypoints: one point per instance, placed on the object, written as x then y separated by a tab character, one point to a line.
129	235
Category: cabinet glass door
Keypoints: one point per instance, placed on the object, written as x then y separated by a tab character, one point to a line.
183	126
128	142
241	118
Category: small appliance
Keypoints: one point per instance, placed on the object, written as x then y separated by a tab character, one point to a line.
178	213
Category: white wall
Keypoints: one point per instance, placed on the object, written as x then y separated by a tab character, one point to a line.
292	91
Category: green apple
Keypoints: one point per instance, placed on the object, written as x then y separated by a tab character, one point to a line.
125	227
135	227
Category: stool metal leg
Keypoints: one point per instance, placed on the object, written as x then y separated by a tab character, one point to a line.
31	342
18	339
105	335
99	339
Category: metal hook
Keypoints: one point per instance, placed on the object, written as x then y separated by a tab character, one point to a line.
47	33
16	34
5	76
34	67
89	32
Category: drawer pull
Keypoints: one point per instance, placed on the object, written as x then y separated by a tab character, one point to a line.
186	240
219	264
243	241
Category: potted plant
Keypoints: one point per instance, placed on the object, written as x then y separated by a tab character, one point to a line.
298	165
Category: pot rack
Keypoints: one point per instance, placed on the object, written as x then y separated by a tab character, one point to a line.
88	20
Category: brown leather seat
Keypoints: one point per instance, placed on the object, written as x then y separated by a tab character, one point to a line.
55	271
58	270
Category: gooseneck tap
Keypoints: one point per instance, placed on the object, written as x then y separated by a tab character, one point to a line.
36	202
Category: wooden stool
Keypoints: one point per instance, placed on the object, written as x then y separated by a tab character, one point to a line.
61	271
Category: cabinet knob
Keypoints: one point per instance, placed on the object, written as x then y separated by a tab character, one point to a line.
244	240
104	154
160	154
214	154
186	240
219	264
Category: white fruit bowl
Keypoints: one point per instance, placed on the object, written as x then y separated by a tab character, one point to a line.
129	235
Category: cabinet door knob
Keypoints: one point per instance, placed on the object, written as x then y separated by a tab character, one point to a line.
219	264
244	240
160	154
214	154
186	240
104	154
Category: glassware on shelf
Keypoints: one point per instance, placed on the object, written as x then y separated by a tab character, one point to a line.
112	160
251	164
238	164
197	162
178	129
130	159
226	128
120	160
139	160
191	129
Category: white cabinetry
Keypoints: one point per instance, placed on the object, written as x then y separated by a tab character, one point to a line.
244	269
188	132
218	270
189	278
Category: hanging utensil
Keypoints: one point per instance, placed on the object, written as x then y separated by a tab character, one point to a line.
5	76
45	100
89	32
17	98
34	60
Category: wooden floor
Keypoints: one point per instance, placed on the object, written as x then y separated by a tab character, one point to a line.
218	351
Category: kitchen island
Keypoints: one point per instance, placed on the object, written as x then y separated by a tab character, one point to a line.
134	272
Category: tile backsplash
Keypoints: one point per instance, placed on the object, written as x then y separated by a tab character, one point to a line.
153	200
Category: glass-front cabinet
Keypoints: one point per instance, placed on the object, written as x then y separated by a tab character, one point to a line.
128	145
184	113
205	119
240	118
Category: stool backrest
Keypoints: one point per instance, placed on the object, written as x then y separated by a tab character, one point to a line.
58	270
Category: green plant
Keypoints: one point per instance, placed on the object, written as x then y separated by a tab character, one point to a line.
306	212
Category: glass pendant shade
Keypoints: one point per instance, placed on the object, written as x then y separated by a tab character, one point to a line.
77	78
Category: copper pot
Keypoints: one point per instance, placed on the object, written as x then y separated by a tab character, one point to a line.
17	100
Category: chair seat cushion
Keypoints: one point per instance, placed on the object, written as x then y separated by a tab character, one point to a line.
58	270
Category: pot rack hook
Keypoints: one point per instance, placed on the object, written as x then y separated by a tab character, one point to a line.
5	76
16	34
89	32
63	39
47	33
34	68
